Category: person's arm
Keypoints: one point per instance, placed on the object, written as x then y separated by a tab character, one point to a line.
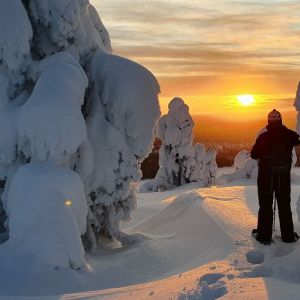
256	149
295	139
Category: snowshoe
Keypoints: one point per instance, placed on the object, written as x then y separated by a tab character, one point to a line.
254	232
294	239
263	241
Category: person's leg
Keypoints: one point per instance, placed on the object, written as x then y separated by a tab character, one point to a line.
283	195
265	213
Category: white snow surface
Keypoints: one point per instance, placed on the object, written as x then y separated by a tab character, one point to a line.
195	245
47	213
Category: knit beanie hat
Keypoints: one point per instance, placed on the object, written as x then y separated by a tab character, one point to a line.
274	117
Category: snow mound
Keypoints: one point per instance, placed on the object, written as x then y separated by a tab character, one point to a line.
249	169
43	199
171	218
240	159
210	287
255	257
146	186
184	219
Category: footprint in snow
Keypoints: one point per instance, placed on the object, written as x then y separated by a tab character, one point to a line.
255	257
211	278
210	287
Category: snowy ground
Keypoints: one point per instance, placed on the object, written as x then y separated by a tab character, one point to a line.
196	245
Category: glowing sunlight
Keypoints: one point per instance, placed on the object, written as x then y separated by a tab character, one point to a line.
246	100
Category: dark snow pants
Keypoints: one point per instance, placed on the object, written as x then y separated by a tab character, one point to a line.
281	186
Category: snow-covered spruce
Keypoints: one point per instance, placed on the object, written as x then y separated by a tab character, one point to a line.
47	214
181	162
65	99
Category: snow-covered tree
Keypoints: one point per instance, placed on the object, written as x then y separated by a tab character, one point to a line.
180	161
176	155
66	100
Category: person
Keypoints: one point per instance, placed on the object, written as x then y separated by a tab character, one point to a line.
276	141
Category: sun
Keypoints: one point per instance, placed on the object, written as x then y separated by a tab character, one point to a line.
246	100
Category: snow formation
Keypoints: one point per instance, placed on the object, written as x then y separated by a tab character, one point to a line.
47	214
180	161
66	100
240	159
210	168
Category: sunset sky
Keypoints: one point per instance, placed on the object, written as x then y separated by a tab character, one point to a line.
209	51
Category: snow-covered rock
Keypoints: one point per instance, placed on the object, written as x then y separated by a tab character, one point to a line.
47	213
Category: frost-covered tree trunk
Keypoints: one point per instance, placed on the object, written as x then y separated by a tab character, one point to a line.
67	101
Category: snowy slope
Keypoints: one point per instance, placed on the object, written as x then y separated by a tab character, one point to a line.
195	245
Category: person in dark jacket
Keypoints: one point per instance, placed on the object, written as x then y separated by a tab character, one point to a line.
268	182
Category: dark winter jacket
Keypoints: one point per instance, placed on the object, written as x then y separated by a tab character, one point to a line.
264	144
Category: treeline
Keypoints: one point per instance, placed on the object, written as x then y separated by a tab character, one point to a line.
226	153
214	133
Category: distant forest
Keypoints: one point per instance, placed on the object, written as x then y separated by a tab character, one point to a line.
226	137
